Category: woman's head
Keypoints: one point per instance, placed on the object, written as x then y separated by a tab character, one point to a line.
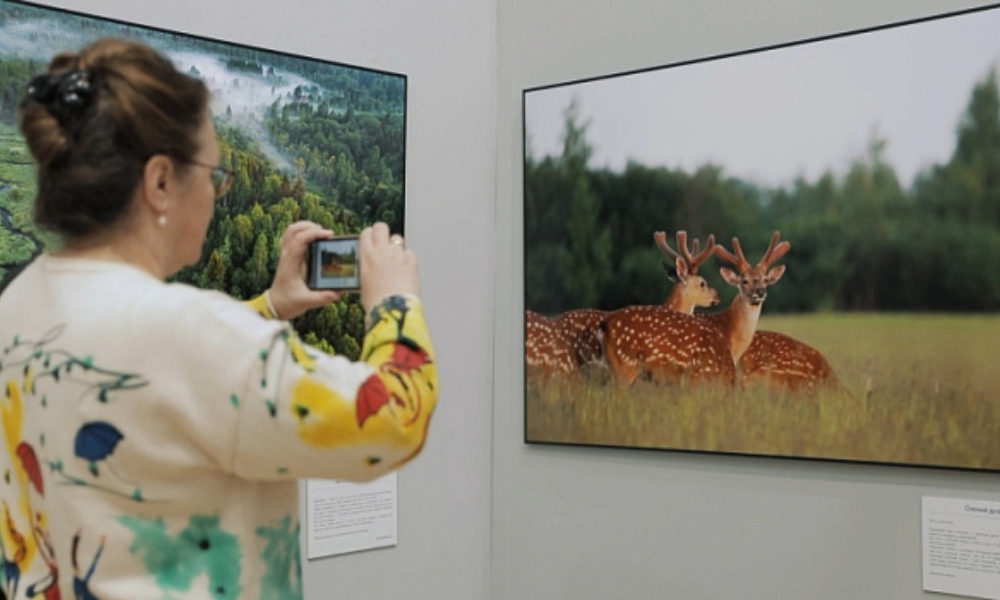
94	120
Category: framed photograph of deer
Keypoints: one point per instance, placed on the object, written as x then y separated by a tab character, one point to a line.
307	139
790	251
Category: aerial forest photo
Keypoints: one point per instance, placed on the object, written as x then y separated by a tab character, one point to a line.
791	251
307	139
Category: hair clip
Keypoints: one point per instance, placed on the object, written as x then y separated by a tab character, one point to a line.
40	89
63	95
75	89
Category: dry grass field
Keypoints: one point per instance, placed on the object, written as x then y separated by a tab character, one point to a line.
919	389
339	270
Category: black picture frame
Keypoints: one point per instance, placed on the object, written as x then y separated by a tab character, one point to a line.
875	152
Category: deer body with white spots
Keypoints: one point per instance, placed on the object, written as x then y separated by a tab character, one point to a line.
782	361
582	327
669	345
665	346
547	352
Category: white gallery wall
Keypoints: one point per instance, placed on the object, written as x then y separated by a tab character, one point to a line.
588	523
481	514
447	48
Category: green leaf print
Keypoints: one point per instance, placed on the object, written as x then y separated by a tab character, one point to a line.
283	578
176	561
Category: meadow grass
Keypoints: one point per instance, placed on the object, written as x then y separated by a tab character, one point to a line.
918	389
17	196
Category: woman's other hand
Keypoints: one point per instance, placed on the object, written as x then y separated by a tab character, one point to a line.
289	294
388	267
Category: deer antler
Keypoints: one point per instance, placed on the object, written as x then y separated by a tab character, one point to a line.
774	252
660	237
737	260
694	261
699	257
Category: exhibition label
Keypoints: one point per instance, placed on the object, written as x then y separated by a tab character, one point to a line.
961	547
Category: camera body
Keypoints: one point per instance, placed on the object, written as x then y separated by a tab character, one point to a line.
333	264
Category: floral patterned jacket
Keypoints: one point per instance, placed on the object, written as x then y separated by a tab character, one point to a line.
153	434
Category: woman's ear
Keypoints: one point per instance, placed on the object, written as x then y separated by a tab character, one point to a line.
157	182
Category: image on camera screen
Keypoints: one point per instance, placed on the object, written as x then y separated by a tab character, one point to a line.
334	264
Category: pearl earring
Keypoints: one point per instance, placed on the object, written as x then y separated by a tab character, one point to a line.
161	220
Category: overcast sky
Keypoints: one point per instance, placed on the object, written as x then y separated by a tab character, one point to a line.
770	116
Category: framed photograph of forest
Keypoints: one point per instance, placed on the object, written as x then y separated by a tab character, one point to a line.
308	139
657	207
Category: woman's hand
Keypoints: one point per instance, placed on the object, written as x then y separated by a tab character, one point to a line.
289	294
388	267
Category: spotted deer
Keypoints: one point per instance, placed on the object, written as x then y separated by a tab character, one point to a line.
739	321
667	345
690	289
782	361
547	352
582	326
778	359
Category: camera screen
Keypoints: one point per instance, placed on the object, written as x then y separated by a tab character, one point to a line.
333	264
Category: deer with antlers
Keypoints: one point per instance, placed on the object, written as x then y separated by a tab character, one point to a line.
582	326
768	355
739	321
668	345
690	290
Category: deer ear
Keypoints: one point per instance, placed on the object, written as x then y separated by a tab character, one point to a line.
670	271
730	276
775	274
681	268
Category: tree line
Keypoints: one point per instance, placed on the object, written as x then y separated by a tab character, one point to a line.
860	241
356	158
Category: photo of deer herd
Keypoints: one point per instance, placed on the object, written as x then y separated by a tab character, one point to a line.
682	376
664	344
791	252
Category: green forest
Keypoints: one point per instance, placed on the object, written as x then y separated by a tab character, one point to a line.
241	250
343	135
860	240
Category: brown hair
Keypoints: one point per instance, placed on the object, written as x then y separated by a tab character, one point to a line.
91	156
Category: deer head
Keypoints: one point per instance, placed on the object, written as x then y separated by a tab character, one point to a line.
690	289
752	281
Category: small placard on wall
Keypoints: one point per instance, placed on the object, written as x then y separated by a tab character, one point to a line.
961	547
344	517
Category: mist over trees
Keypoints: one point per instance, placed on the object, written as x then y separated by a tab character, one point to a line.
355	158
860	240
329	150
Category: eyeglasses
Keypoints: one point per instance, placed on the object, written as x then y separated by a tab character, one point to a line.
222	178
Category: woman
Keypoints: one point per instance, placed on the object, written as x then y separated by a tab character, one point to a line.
154	433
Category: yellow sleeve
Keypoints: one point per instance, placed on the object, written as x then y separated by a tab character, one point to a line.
398	347
335	418
262	306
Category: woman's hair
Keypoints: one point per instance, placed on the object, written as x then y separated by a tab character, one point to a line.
94	119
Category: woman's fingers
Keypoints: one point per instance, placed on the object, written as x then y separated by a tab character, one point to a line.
387	266
289	293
